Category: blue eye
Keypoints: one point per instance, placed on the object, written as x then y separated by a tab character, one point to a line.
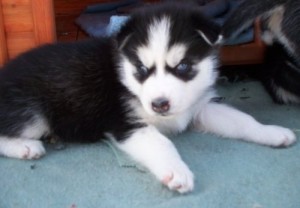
142	70
183	68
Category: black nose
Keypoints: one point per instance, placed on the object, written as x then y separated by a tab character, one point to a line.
160	105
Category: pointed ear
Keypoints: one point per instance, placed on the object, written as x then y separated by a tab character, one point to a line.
211	40
207	29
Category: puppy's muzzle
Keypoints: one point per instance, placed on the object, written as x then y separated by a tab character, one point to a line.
160	105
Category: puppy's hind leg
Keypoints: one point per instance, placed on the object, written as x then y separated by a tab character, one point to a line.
229	122
21	140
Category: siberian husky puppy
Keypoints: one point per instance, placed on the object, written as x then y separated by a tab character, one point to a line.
282	21
154	78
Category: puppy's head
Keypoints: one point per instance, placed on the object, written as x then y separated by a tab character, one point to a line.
168	57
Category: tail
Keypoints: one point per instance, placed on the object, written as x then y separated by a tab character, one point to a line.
244	15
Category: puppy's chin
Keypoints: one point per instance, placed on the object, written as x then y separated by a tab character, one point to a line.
166	115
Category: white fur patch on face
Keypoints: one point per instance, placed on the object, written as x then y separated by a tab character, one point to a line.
175	54
127	76
181	95
153	53
158	39
157	53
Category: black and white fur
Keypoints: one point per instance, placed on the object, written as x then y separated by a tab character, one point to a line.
156	77
281	33
281	75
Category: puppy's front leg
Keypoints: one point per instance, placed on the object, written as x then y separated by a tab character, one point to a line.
229	122
156	152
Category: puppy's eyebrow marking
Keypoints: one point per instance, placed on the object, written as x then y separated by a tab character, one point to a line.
175	54
145	56
154	52
159	34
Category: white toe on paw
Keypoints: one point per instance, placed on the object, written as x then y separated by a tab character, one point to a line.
277	136
26	149
177	177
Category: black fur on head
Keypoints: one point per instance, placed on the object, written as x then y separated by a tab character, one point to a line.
188	25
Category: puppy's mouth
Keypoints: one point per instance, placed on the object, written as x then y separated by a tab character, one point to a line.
163	115
167	114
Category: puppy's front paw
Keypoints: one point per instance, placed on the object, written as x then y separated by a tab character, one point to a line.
25	149
277	136
176	176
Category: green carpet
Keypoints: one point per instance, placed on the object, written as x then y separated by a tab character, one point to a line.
229	173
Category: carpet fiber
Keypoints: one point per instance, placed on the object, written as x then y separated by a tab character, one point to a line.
229	173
